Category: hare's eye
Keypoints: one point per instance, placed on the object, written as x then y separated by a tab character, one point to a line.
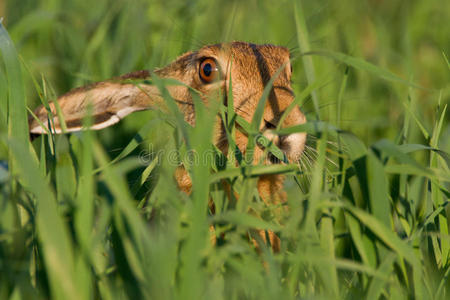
208	70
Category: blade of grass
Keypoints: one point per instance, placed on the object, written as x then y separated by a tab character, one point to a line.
385	234
255	171
3	99
17	118
52	232
130	233
327	243
303	42
363	65
173	108
200	136
66	183
377	284
300	98
436	194
425	132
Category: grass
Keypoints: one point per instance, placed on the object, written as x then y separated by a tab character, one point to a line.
98	214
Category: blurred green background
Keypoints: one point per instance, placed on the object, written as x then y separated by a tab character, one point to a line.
71	43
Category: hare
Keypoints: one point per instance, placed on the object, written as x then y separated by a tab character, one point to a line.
207	70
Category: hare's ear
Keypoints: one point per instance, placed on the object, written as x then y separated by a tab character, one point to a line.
110	101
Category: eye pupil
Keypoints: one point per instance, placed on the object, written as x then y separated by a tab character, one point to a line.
207	70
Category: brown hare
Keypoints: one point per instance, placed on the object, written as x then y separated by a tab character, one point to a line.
207	70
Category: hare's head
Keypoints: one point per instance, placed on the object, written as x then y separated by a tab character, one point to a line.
207	70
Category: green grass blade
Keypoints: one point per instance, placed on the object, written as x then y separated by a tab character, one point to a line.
378	189
246	220
3	99
310	89
377	284
363	65
446	59
173	108
303	42
66	183
17	113
52	232
436	194
419	123
130	233
328	244
385	234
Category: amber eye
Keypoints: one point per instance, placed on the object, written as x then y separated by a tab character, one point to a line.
208	70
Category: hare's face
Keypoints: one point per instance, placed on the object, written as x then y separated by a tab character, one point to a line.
207	70
250	68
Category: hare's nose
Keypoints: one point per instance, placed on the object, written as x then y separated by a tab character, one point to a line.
271	136
292	145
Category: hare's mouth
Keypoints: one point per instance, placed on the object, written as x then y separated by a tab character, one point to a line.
292	145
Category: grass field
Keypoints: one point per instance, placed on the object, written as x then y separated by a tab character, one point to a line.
97	215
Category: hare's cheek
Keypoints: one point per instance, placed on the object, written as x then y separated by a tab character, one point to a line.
293	145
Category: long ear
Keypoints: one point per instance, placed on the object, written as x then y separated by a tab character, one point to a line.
111	101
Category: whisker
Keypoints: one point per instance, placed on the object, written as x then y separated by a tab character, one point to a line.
309	159
331	161
308	166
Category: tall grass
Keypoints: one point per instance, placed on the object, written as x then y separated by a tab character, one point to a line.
98	214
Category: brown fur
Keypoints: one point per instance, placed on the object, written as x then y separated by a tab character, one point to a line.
250	66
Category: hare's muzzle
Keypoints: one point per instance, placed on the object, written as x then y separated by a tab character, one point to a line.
293	144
